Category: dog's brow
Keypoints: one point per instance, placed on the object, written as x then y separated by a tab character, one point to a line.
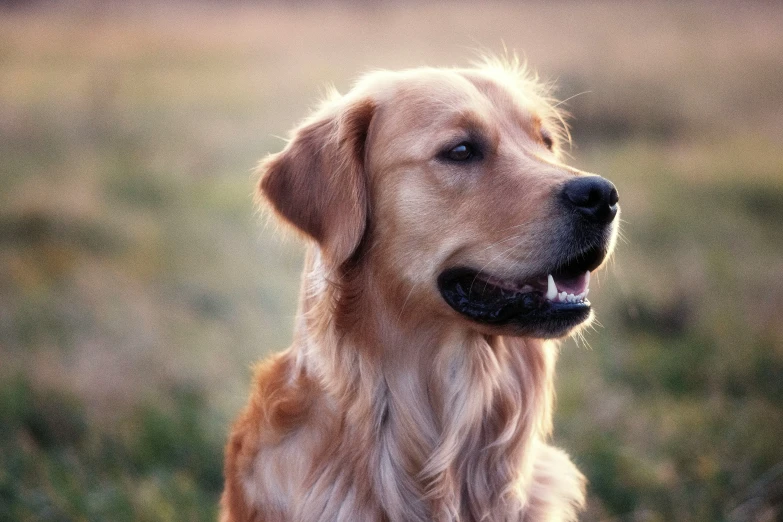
536	122
469	119
474	126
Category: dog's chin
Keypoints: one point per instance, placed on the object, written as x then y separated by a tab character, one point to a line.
549	330
548	305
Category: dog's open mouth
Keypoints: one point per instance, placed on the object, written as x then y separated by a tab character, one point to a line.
548	304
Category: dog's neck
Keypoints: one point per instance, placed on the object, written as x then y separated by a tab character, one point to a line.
453	413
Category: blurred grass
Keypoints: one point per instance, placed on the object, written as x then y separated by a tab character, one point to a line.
137	285
163	463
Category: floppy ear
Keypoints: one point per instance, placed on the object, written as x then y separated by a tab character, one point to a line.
317	183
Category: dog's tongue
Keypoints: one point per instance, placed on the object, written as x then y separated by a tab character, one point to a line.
568	289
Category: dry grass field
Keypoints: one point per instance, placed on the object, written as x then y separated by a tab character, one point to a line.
138	284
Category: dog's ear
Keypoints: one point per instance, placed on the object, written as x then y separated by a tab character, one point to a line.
317	183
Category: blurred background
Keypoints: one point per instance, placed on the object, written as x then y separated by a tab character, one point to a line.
138	285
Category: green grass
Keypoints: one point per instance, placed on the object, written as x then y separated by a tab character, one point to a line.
137	283
162	463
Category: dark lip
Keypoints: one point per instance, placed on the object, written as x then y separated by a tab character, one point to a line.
528	313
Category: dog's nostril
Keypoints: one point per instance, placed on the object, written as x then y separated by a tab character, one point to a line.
614	197
593	197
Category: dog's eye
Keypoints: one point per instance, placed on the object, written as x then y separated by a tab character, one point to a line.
547	139
463	152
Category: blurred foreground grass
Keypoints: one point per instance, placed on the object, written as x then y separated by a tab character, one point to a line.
137	285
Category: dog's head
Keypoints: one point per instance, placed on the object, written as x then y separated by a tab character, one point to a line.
449	183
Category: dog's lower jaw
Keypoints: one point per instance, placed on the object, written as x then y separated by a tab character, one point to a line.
382	425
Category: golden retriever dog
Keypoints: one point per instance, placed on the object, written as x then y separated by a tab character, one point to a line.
448	243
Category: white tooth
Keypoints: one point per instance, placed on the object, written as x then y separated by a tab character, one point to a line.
551	289
571	298
587	279
561	296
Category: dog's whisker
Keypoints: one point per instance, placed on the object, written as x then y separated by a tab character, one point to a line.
558	104
481	270
405	302
518	225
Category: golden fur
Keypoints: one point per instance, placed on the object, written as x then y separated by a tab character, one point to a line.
390	406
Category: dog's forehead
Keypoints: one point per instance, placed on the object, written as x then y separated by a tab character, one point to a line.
434	99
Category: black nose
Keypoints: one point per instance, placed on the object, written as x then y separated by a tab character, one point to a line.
593	197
